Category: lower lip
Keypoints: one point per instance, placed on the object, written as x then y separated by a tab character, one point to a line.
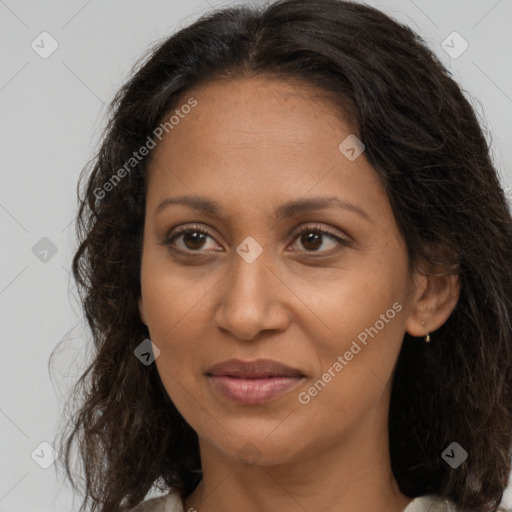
253	391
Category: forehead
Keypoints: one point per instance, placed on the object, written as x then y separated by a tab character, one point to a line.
257	112
255	138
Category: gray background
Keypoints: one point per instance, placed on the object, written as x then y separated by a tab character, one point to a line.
52	112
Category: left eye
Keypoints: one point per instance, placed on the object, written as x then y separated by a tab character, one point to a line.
311	237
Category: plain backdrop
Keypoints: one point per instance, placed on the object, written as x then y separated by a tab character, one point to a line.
52	112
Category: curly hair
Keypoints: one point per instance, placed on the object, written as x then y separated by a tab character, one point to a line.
426	144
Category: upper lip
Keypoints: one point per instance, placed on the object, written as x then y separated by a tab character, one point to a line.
259	368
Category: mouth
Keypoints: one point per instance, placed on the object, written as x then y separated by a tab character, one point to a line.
253	382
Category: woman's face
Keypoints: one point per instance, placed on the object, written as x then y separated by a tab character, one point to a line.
333	306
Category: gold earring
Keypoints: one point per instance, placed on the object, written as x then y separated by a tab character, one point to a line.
427	337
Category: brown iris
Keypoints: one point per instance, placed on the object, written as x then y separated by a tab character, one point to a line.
194	239
311	240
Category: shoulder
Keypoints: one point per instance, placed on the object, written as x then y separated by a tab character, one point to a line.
430	503
169	503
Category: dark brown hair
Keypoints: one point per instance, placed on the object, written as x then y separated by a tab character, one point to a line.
424	141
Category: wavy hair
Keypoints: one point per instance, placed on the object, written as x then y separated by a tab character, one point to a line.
424	140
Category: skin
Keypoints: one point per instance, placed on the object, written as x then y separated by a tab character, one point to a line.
251	144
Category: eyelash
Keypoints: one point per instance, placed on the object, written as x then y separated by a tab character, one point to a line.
296	234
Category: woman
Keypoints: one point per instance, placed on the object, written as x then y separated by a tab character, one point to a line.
295	260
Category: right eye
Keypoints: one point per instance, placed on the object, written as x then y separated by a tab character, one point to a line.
193	239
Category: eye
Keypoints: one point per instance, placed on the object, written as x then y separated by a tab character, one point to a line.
312	238
194	238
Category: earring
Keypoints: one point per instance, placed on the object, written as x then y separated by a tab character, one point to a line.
427	337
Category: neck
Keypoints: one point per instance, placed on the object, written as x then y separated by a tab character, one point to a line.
354	475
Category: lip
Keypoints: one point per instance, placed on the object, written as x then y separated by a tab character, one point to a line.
260	368
253	382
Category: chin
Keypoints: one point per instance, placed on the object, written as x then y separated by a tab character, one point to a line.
262	446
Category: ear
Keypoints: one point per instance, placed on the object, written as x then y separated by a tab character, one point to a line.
435	298
141	310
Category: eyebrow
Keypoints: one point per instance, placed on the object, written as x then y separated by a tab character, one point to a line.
288	209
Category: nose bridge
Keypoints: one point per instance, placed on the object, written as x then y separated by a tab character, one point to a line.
250	301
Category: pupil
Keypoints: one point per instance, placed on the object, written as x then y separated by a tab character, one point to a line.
193	239
315	238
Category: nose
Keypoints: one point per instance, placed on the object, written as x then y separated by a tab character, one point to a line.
252	298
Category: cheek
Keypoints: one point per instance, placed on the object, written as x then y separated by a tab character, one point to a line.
355	363
172	295
174	313
358	339
353	302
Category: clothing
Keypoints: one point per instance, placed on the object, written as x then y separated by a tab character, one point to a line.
172	503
